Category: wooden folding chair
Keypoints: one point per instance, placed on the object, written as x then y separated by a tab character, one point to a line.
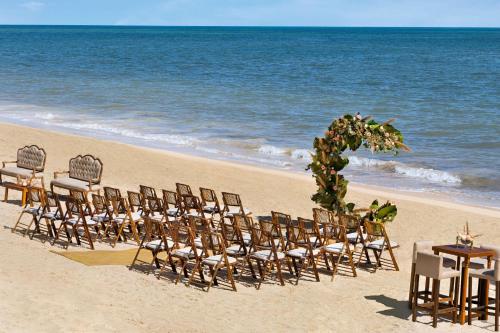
172	205
216	258
52	212
244	225
75	218
103	211
184	251
300	249
233	205
378	241
121	220
264	250
336	245
192	207
210	202
156	240
183	189
33	208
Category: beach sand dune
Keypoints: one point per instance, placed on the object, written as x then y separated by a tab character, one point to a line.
44	292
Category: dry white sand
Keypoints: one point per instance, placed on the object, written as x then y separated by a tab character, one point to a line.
43	292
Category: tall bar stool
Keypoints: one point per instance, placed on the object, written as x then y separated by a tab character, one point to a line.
489	275
426	247
431	266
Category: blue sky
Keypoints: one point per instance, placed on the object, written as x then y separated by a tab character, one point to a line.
477	13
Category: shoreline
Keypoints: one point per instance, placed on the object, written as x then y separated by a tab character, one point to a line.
428	198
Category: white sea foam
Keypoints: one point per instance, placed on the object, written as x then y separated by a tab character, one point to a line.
271	150
45	115
167	138
301	154
432	175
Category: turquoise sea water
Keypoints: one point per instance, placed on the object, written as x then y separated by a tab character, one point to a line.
260	95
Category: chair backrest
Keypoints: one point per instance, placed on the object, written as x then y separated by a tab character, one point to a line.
496	260
171	199
213	244
297	237
74	208
191	203
209	196
242	222
284	220
232	200
148	192
429	265
81	198
100	204
136	201
200	224
32	158
321	216
421	246
271	232
374	230
86	168
111	193
350	222
183	189
35	196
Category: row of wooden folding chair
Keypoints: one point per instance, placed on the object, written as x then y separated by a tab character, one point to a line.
207	203
368	235
191	240
73	215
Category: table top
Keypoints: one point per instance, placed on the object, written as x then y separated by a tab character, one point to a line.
463	251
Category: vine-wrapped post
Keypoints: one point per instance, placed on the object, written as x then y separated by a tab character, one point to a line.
350	132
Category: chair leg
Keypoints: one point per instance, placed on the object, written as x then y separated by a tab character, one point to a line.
280	275
412	285
393	257
6	195
435	298
469	303
415	298
18	221
497	305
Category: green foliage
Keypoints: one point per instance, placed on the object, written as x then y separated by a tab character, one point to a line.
350	132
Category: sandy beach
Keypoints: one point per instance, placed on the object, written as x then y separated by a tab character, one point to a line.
44	292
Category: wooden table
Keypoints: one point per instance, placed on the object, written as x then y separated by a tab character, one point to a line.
461	251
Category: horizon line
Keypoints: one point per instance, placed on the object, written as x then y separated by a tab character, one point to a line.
249	26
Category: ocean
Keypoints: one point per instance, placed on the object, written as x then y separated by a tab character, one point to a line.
260	95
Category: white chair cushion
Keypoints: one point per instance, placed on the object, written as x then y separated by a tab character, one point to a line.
157	243
75	220
102	217
236	210
235	250
14	171
72	184
185	252
334	248
50	215
198	243
135	216
218	260
247	238
377	245
300	252
267	255
32	210
172	211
